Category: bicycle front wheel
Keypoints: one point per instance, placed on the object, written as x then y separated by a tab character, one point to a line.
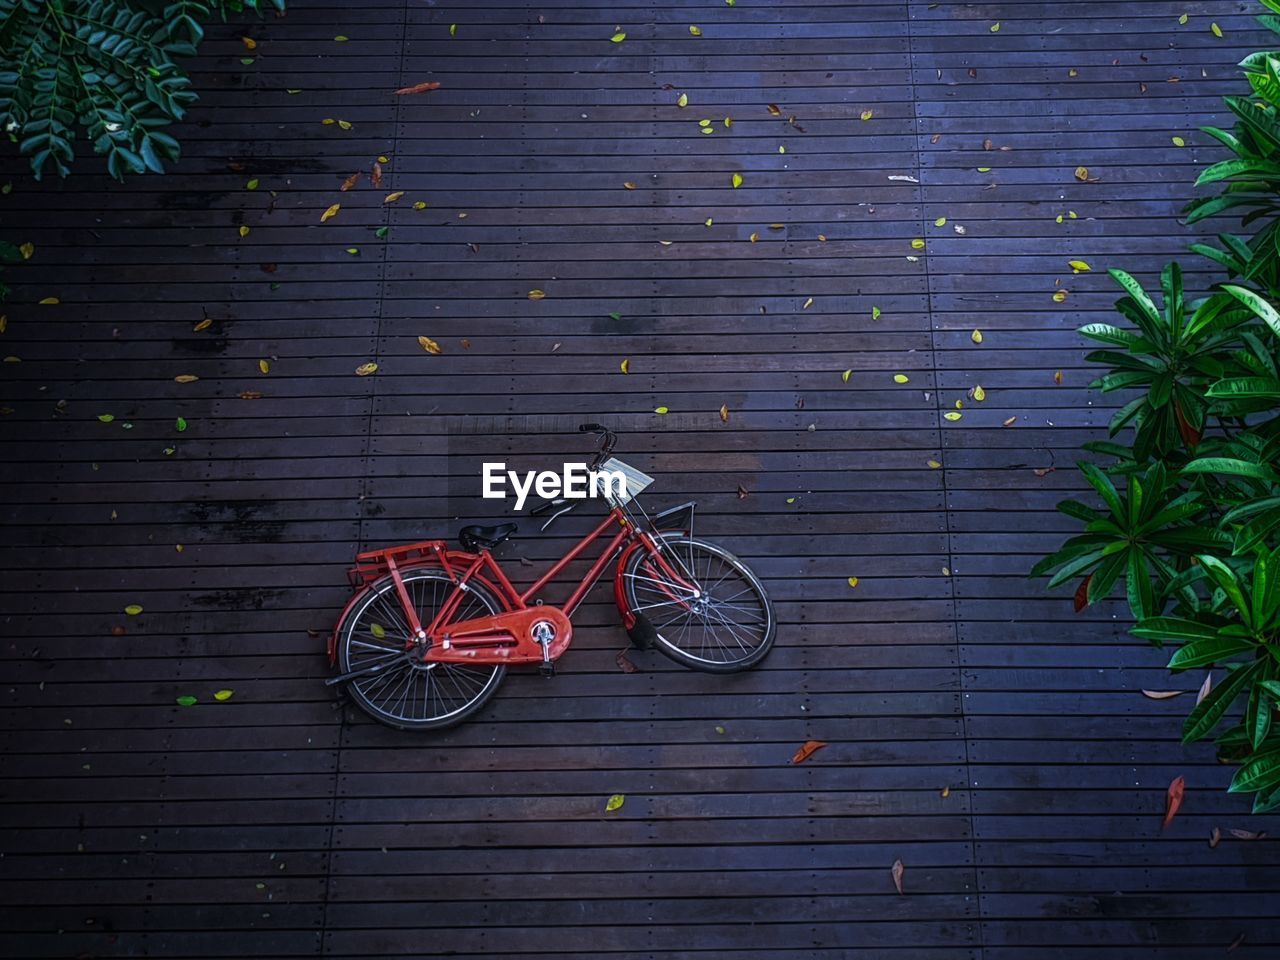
405	692
724	624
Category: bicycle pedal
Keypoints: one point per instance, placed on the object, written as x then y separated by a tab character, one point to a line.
548	670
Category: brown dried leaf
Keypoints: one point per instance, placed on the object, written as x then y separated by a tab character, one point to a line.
1247	834
425	87
375	174
624	662
896	872
743	492
1081	599
1215	837
430	345
1010	422
807	749
350	182
724	412
774	109
1205	687
250	395
1161	694
1173	800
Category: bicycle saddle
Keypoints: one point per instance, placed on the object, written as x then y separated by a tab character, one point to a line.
474	537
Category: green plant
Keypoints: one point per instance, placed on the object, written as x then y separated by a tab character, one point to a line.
109	67
1190	515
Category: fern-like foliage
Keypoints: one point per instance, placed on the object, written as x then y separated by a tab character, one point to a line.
107	68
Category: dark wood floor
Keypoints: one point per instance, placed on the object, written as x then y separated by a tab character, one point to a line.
980	732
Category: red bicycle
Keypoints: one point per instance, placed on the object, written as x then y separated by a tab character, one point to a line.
428	636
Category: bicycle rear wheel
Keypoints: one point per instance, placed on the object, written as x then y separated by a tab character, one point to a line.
727	624
407	693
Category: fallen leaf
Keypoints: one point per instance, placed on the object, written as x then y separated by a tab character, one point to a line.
933	464
743	492
340	38
250	395
536	294
846	375
1178	141
952	415
425	87
133	609
429	345
393	197
1079	266
736	180
264	366
1081	598
27	250
365	369
1010	422
618	37
1215	837
106	417
615	803
1057	377
995	27
724	413
249	43
1236	944
244	232
624	662
853	581
331	212
901	378
186	378
625	366
453	29
1173	800
1246	834
375	174
875	313
1183	19
1082	173
807	749
350	182
223	695
978	393
976	336
774	109
1216	30
945	792
420	205
682	100
180	424
695	31
661	411
186	701
1059	296
345	124
896	872
868	114
1161	694
807	304
628	184
1205	687
917	244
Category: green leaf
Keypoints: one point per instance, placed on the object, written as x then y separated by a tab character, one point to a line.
1200	653
1174	628
186	701
1209	711
1234	467
1257	303
1260	772
180	424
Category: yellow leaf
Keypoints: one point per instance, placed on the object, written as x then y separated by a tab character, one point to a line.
917	244
868	114
50	301
354	251
537	294
706	129
365	369
331	212
1179	142
995	27
791	499
1071	214
628	184
179	547
249	43
979	394
251	184
419	205
707	222
453	29
976	336
106	417
223	695
1217	30
133	609
378	630
27	249
704	122
736	180
682	100
940	222
186	378
946	571
1058	218
901	378
952	415
846	375
984	169
393	197
328	122
660	411
781	148
384	159
724	412
853	581
1059	296
264	366
618	37
340	38
1183	19
728	122
625	366
696	31
1082	173
774	109
754	237
615	803
933	464
1079	266
875	312
345	124
429	345
1073	72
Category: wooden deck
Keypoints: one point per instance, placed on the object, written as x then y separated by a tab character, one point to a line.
980	732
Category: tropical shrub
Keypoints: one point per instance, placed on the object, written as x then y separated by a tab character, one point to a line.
1189	519
108	68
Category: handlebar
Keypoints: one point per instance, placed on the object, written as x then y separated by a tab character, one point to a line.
607	441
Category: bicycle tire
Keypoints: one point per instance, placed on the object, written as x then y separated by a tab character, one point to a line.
644	594
472	685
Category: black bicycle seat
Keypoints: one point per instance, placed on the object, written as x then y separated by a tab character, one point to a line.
474	538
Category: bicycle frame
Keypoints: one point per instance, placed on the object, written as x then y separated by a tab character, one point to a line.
528	631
